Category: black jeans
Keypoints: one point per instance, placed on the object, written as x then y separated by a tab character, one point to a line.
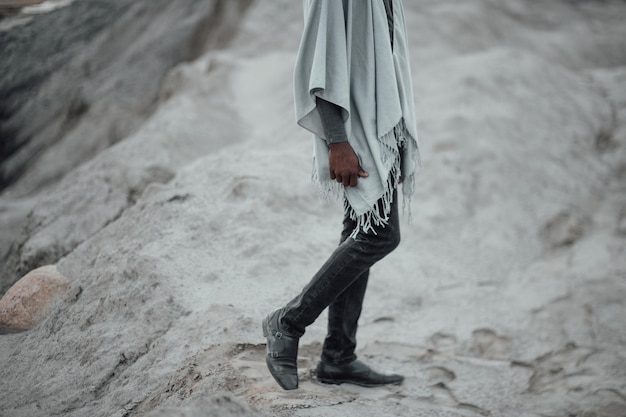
340	285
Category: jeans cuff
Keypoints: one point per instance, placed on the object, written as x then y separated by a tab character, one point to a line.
338	361
287	329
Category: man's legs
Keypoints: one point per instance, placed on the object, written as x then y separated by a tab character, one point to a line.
340	283
343	317
344	313
352	258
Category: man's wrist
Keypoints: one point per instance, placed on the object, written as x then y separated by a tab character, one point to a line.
340	144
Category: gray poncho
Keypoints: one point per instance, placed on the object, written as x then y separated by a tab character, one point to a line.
345	57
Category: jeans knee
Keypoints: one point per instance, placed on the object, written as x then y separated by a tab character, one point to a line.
393	240
387	239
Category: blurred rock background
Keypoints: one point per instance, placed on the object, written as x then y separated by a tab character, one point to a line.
149	153
77	80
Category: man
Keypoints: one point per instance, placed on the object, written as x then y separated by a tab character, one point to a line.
353	92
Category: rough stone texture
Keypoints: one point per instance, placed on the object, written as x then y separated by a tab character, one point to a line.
73	83
83	77
29	300
218	406
495	304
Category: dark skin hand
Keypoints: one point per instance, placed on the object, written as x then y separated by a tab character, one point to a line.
344	164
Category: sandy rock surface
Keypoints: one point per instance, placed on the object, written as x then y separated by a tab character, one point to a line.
219	406
505	297
27	302
74	82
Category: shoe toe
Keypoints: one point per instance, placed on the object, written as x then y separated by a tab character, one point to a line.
394	379
287	381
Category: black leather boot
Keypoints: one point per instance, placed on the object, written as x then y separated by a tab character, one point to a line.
282	353
355	372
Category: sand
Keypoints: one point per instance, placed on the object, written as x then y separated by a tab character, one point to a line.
505	298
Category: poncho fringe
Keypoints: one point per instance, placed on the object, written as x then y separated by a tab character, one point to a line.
378	214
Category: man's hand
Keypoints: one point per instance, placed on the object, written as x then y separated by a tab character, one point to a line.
344	164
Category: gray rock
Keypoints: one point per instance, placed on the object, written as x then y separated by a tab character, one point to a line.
81	78
218	406
91	89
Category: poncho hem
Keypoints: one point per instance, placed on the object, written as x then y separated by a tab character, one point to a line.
378	214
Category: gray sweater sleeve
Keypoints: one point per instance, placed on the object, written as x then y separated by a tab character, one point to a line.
332	120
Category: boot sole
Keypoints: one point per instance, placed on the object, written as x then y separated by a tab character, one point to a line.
361	384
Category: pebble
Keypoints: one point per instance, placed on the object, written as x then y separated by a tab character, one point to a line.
28	301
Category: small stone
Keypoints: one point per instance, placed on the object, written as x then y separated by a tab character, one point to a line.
28	301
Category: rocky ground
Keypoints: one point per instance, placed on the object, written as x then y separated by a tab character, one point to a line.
505	298
74	82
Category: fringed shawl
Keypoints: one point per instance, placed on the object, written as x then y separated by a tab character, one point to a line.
345	57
